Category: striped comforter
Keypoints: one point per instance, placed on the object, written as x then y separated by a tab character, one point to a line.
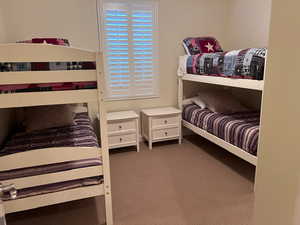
239	129
81	134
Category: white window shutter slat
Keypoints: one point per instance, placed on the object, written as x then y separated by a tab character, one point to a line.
130	48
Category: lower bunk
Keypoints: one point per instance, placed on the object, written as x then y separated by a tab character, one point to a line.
236	132
52	165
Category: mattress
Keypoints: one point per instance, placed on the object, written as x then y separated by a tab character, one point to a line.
241	64
80	134
51	188
239	129
46	66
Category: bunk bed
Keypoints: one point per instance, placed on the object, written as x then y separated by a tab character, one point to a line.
56	171
245	70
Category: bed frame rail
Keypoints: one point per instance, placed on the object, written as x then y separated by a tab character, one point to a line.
218	141
53	198
51	178
39	77
47	156
22	52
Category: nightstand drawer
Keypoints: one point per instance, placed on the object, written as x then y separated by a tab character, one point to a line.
165	121
121	139
166	133
121	126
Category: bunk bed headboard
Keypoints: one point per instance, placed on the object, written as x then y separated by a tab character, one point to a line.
40	53
22	52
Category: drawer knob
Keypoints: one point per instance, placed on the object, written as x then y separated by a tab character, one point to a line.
120	127
166	133
121	139
166	121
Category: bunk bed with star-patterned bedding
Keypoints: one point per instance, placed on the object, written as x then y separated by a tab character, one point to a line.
206	62
235	130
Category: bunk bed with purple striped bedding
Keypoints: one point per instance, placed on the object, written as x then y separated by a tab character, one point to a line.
240	129
81	134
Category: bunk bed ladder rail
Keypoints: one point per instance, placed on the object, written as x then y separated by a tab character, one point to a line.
13	194
104	138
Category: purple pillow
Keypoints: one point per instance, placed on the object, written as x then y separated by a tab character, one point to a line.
194	46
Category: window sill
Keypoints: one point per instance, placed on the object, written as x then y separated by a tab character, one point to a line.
131	98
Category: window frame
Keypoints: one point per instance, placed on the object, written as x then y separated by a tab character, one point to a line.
101	37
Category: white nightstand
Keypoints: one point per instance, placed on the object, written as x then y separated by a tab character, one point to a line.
123	129
161	124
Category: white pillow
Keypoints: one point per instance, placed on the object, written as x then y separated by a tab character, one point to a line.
221	102
196	100
187	101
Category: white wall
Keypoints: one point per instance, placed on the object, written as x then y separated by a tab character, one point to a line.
71	19
76	21
248	23
278	173
2	25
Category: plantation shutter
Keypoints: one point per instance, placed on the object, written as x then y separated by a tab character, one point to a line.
130	49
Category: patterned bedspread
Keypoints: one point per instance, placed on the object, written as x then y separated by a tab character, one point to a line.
81	134
243	64
46	66
239	129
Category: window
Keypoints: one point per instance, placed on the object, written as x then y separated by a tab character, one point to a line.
129	42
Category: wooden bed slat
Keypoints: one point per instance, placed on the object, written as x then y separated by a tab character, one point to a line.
47	156
55	76
22	52
53	198
47	98
57	177
218	141
238	83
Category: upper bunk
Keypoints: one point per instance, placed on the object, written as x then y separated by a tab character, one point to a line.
229	82
19	54
206	62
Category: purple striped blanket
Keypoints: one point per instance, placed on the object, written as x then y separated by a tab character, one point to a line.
81	134
239	129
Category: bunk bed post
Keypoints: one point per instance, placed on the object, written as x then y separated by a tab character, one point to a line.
180	101
180	92
104	139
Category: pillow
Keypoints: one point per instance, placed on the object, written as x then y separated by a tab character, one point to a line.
44	117
196	100
221	102
78	108
53	41
194	46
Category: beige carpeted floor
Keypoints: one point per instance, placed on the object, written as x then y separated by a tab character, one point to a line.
195	183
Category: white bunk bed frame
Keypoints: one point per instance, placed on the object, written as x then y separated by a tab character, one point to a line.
238	83
51	53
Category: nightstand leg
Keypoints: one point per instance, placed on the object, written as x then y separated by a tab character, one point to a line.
137	135
150	132
180	131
